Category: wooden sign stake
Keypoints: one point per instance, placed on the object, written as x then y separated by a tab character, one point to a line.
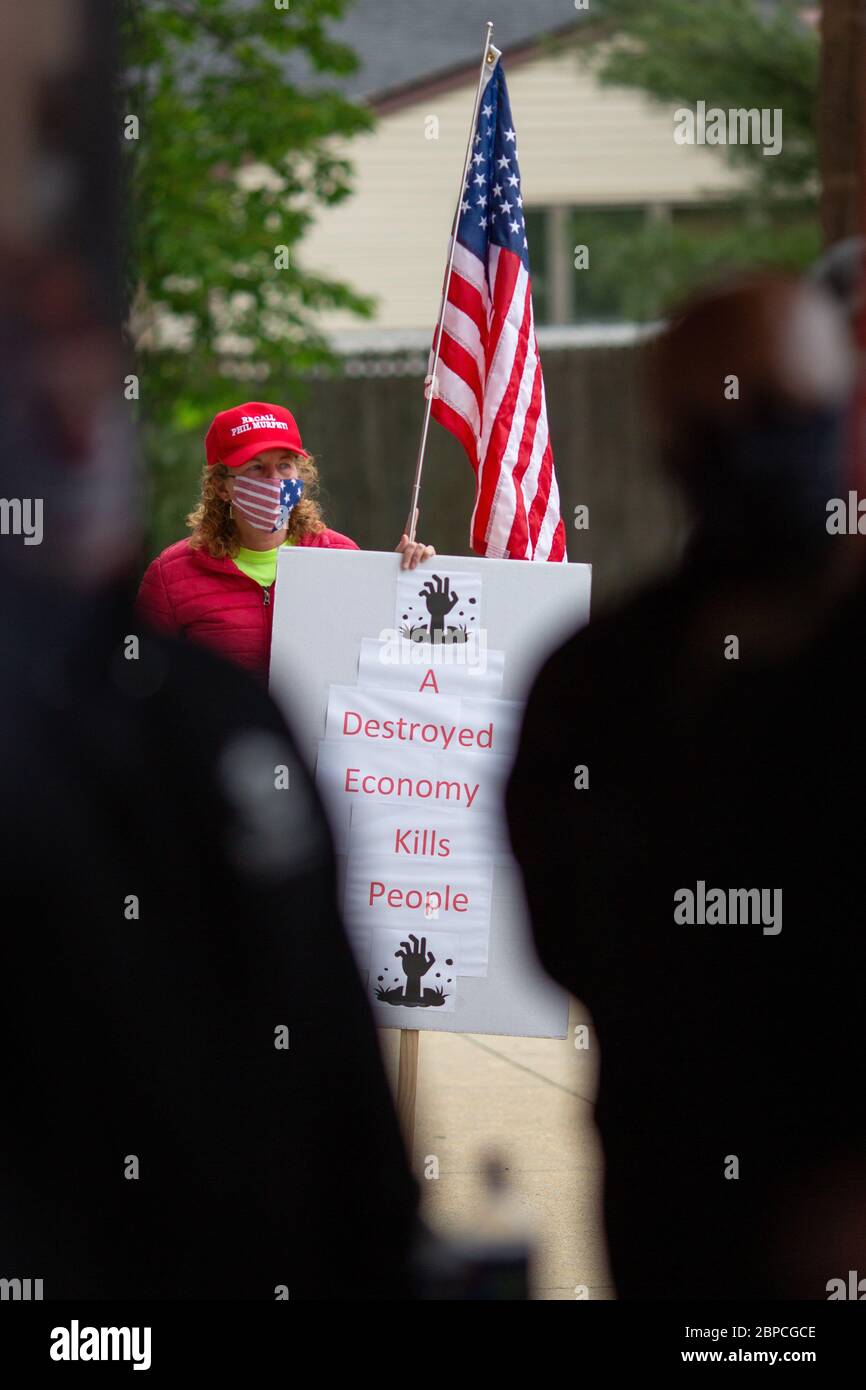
407	1085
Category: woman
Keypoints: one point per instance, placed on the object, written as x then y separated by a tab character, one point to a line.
217	586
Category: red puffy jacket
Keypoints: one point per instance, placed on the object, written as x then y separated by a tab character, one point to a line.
190	594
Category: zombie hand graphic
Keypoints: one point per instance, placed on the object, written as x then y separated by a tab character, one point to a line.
417	960
440	601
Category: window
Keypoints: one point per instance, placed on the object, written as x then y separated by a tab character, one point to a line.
639	259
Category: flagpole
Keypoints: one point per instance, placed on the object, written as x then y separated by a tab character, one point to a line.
488	60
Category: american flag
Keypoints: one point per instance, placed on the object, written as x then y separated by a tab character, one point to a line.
489	390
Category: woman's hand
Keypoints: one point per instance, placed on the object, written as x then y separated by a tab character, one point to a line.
413	551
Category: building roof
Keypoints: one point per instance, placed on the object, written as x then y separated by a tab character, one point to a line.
401	45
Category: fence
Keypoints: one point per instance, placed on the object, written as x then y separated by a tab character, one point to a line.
364	430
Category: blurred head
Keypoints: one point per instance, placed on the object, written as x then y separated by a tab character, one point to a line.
67	454
66	441
751	386
841	271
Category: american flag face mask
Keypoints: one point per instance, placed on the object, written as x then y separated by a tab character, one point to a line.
267	503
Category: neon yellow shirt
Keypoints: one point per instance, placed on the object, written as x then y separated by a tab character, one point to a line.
260	565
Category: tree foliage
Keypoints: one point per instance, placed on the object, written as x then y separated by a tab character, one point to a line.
740	53
736	54
235	151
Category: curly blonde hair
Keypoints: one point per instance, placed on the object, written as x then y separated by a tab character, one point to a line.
212	525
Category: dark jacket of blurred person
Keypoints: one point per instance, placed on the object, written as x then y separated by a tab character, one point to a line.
192	1098
193	1101
731	1102
168	913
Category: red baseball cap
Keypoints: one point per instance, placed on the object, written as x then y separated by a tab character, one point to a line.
237	435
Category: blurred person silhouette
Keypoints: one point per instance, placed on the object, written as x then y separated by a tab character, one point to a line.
182	1118
715	719
839	270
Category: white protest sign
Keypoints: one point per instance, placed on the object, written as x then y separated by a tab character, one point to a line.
504	715
410	725
418	899
349	772
384	840
385	831
376	712
424	968
470	669
444	603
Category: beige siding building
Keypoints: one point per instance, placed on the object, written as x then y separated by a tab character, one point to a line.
580	145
